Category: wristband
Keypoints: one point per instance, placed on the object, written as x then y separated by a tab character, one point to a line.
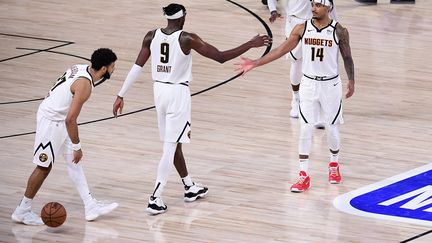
76	147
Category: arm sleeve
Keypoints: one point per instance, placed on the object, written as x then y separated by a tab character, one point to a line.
130	79
272	5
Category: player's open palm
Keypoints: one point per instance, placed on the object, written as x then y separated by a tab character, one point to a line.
244	65
261	40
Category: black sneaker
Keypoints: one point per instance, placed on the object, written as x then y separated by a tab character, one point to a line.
156	206
194	192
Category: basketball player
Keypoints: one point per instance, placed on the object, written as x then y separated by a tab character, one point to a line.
321	41
297	12
57	134
171	62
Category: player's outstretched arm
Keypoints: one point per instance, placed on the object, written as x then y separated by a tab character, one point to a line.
209	51
134	73
246	64
345	50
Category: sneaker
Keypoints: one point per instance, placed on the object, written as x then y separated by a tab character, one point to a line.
156	206
99	208
194	192
334	174
26	216
302	184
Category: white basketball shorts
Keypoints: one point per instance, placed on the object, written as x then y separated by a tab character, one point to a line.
173	107
51	141
321	96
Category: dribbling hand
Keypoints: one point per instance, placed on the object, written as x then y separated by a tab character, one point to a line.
118	105
77	156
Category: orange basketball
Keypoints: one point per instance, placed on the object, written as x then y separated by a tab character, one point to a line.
53	214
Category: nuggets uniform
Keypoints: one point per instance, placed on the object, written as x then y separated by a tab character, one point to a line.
297	12
52	138
171	72
321	84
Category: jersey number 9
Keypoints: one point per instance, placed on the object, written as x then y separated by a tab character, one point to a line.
164	50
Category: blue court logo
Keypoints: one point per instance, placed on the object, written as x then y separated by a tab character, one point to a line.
406	197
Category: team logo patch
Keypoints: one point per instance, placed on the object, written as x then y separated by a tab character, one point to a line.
43	157
406	197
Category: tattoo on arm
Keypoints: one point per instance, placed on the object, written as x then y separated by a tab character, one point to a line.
345	50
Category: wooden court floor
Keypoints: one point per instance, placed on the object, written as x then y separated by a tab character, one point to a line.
244	145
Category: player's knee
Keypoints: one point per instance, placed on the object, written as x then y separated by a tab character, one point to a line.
306	130
44	170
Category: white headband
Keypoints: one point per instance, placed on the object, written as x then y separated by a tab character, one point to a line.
177	15
323	2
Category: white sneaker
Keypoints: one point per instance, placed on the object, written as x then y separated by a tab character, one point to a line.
294	113
156	206
194	192
99	208
26	216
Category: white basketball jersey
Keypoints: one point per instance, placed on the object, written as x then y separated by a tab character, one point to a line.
169	63
57	103
320	50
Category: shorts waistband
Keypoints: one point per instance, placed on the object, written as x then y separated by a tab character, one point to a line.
183	83
322	78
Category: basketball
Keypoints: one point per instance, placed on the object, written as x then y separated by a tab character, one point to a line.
53	214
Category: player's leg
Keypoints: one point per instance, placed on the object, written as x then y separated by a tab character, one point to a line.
46	146
156	205
163	97
308	105
331	103
93	208
295	77
192	190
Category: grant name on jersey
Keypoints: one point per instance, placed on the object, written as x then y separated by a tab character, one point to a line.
163	69
318	42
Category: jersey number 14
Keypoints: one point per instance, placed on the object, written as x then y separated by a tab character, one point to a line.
317	53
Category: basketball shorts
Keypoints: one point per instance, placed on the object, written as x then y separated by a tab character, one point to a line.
291	22
173	107
51	141
322	98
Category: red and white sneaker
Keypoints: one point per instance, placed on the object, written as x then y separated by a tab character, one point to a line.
302	184
334	174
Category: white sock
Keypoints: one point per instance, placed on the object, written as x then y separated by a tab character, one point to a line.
334	157
25	202
296	95
187	181
76	173
304	165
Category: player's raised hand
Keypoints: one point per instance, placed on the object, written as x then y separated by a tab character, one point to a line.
275	15
118	105
244	65
261	40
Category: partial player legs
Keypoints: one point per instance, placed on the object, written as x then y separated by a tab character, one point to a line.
23	213
295	77
93	207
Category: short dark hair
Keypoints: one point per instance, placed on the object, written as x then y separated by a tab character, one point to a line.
102	57
173	8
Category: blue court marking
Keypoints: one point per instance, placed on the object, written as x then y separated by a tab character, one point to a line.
406	197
